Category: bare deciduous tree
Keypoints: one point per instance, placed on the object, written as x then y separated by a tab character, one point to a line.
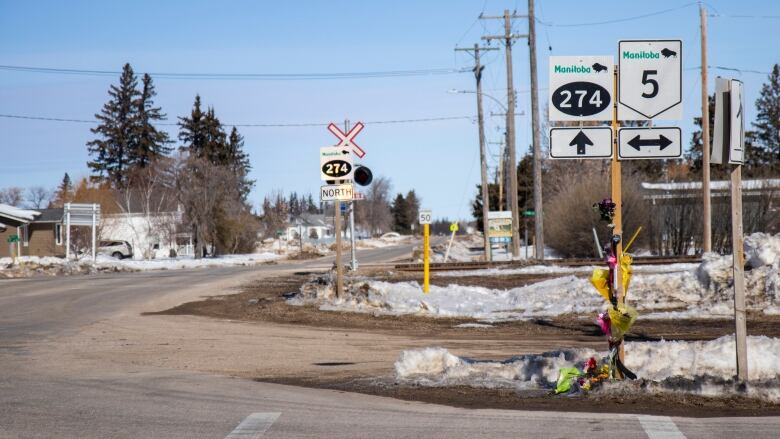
11	196
373	214
37	197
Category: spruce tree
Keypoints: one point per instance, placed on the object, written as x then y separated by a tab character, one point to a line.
400	212
766	150
412	208
116	130
238	161
149	142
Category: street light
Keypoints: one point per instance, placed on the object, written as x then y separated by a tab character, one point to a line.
455	91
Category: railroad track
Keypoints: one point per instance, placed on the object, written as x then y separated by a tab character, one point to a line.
575	262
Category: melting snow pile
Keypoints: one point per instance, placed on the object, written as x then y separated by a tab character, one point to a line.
702	367
703	291
31	265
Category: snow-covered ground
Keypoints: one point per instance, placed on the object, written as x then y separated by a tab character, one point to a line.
686	291
703	367
466	248
105	263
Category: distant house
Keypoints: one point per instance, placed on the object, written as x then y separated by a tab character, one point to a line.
151	234
311	227
40	232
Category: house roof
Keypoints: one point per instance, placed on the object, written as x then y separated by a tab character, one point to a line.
16	214
54	215
714	185
310	220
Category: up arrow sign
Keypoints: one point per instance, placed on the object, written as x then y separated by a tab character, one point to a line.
581	140
637	142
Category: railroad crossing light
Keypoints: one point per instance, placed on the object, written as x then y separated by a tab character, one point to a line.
362	175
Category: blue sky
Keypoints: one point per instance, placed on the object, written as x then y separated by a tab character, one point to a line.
437	159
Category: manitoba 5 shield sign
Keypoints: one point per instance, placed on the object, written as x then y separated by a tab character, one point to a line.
650	79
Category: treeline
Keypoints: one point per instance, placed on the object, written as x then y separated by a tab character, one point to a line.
375	215
570	187
135	167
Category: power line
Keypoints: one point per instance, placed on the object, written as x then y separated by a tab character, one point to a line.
731	69
251	125
617	20
245	76
766	17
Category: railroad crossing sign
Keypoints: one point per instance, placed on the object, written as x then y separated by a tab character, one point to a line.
425	216
581	143
335	163
336	192
650	79
580	88
728	140
346	140
649	143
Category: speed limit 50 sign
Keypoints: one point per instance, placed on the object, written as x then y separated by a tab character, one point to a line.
580	88
650	79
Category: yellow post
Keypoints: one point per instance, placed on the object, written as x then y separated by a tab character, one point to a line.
617	198
426	258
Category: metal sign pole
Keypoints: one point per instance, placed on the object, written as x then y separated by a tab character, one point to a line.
617	198
94	221
339	269
354	263
739	272
67	230
426	259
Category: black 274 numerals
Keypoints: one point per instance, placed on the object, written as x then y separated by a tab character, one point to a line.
337	168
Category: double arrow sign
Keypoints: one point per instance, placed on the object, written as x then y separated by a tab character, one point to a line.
649	143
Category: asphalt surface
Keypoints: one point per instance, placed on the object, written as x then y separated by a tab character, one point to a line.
42	400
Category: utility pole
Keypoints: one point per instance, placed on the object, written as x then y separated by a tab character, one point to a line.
508	38
705	136
538	217
483	161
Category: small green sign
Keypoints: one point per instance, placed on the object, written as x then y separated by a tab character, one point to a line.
529	213
12	239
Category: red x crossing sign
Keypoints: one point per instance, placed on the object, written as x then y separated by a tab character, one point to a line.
346	139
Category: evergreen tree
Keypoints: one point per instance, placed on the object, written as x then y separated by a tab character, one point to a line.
238	160
192	130
695	152
116	130
766	149
310	206
64	192
150	143
295	205
476	205
412	208
400	211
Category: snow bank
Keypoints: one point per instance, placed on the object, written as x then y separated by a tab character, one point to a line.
685	291
704	367
30	265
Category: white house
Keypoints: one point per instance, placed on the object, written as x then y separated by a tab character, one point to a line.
311	227
152	235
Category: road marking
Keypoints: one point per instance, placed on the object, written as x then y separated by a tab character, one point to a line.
660	427
253	426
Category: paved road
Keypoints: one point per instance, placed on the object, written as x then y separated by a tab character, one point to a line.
40	400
